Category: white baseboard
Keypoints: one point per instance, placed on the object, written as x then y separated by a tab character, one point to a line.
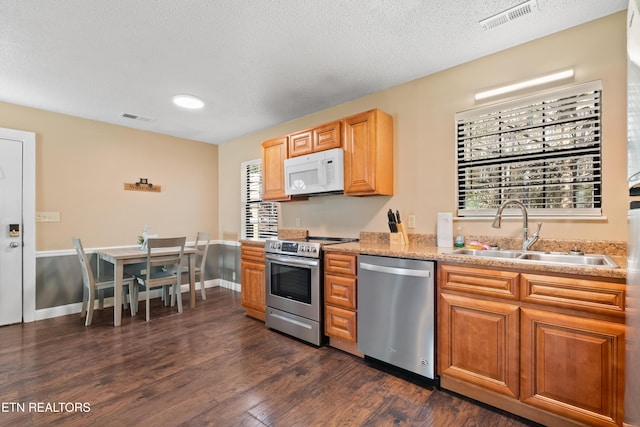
228	285
65	310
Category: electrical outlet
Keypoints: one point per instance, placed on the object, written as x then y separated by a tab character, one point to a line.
297	222
233	276
411	221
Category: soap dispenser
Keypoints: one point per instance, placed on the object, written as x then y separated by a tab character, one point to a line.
459	243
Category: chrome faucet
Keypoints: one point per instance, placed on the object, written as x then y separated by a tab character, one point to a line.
527	241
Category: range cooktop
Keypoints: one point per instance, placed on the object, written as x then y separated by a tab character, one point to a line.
309	247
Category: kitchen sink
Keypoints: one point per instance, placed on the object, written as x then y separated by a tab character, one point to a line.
591	260
587	260
488	253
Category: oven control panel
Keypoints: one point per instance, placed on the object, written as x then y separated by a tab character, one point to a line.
305	249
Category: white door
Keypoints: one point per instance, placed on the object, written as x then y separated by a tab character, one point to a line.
11	229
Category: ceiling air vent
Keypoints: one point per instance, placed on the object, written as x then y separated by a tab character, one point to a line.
509	15
136	117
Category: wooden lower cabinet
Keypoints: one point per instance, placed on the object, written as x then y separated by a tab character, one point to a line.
480	342
555	355
340	323
573	366
340	298
253	281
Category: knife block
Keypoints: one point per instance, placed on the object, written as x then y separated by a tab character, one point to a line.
400	238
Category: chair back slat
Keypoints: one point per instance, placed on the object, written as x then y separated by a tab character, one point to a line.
169	260
87	272
202	247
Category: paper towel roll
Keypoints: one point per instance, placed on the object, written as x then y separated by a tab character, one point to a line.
445	230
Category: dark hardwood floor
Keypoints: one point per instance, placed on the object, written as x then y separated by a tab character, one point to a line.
208	366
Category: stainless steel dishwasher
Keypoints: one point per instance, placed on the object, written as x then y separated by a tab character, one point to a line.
396	312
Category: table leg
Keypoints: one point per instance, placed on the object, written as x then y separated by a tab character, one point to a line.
118	272
192	279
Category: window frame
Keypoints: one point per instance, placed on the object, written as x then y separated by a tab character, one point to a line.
267	229
588	132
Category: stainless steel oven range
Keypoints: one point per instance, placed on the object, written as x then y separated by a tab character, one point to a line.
294	291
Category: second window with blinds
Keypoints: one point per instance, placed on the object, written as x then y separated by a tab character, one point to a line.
259	219
544	150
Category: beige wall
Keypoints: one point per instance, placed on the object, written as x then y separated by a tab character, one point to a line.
423	112
81	166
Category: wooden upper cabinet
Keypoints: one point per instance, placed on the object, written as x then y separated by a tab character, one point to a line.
320	138
327	136
300	143
368	155
274	152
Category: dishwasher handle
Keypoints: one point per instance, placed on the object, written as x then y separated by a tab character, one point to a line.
395	270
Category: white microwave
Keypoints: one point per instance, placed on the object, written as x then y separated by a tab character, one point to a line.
321	172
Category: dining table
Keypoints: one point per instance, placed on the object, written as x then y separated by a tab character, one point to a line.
120	257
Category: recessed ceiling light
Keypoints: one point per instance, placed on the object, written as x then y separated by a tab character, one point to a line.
188	101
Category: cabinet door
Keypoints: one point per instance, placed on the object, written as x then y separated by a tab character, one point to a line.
340	323
573	366
300	143
343	264
479	343
274	152
368	156
252	253
253	286
326	137
480	281
340	291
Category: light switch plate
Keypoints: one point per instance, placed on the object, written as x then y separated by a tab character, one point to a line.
47	216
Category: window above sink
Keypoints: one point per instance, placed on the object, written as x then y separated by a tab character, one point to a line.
544	150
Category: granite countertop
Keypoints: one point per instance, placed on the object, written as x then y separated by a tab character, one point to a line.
431	252
423	246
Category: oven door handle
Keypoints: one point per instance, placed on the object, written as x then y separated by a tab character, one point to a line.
293	261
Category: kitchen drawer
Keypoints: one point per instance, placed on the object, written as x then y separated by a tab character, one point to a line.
340	291
252	253
579	294
479	281
340	323
340	264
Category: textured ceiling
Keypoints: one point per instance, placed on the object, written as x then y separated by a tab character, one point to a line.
256	63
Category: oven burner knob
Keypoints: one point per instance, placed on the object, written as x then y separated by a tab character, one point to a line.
313	249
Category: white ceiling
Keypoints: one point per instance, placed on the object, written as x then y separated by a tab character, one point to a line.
256	63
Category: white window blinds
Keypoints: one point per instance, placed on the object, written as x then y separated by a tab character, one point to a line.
543	150
259	219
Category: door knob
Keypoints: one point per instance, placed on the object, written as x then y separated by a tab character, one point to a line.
14	244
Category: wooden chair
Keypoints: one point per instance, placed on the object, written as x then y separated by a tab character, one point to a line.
202	248
92	285
160	267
